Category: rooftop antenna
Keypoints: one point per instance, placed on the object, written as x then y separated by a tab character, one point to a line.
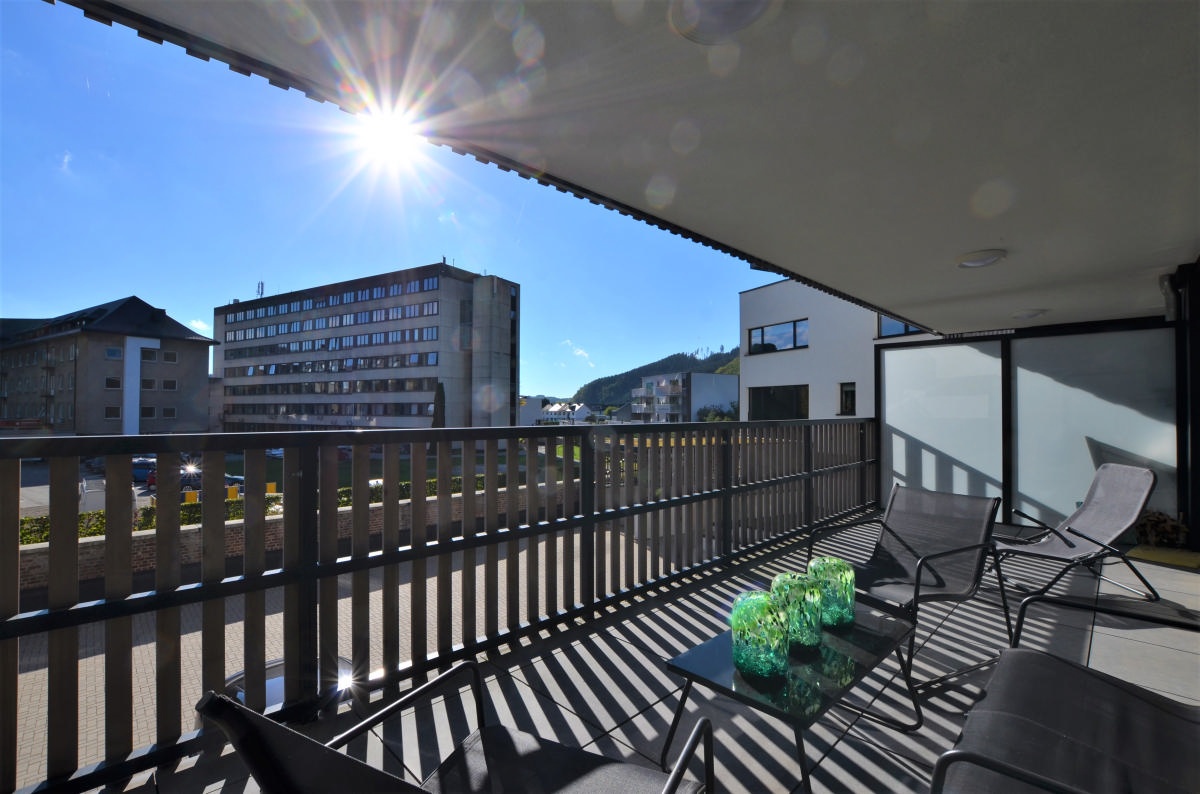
260	289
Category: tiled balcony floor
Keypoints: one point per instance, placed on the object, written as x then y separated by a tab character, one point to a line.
604	685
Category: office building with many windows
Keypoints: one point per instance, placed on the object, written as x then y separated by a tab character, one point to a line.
122	367
372	352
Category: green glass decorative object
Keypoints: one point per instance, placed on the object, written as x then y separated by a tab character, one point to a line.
760	636
836	579
800	598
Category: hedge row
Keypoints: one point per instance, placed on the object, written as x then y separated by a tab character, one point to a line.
36	529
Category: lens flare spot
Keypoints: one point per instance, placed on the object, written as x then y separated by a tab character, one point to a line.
488	399
724	58
514	94
809	43
296	19
628	12
660	191
993	198
529	44
685	137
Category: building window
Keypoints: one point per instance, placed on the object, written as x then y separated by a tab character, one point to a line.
169	384
781	336
114	353
112	382
846	399
168	412
170	357
889	327
149	354
779	402
147	384
148	412
112	412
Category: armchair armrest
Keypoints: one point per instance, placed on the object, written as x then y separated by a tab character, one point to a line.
1045	529
921	563
425	691
822	533
702	732
951	757
1156	612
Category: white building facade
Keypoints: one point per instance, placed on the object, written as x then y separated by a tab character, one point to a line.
806	354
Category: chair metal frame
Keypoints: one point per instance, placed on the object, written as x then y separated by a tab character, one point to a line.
909	610
245	728
1049	543
1163	614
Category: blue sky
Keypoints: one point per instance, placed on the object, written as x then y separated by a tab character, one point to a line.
130	168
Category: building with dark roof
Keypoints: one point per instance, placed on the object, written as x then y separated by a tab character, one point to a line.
122	367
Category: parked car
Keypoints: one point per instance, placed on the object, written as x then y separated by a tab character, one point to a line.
142	467
190	479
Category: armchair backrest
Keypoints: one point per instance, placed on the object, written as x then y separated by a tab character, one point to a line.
920	523
283	760
1113	503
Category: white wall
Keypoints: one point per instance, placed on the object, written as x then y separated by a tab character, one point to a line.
841	347
131	397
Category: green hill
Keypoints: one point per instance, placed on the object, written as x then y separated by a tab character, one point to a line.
616	389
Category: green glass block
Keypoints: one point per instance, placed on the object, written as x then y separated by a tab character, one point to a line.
760	636
800	598
836	579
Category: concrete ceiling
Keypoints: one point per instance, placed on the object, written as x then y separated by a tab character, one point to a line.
860	146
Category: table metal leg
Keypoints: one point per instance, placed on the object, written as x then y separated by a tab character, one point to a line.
683	696
907	727
805	785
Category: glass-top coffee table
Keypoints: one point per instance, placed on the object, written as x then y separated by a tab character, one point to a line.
816	680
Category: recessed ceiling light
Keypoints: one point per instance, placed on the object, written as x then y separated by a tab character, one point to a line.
1028	314
982	258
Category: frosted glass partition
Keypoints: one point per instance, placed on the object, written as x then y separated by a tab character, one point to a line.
941	419
1088	399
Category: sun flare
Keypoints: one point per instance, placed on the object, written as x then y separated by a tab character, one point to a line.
387	139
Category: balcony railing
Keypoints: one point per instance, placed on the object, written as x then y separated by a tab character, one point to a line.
560	523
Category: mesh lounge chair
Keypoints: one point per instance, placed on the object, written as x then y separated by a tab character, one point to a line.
931	547
492	758
1113	503
1047	724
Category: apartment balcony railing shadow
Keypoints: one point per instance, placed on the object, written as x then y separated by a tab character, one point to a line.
603	684
103	659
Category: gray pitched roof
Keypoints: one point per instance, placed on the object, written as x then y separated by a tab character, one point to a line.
130	316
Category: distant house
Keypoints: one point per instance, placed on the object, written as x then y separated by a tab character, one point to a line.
123	367
565	414
679	396
806	354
